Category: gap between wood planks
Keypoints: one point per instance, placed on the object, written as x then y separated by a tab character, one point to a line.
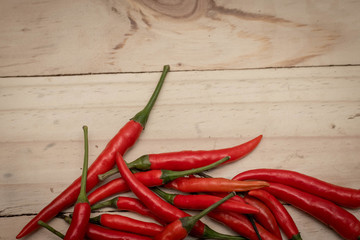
190	70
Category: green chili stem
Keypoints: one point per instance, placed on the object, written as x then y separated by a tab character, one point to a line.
142	116
298	237
107	203
166	196
96	220
51	229
249	216
82	195
109	173
189	222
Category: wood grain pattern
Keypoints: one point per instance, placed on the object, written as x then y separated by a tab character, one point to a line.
309	118
62	37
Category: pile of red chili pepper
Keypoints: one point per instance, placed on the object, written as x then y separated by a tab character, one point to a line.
166	184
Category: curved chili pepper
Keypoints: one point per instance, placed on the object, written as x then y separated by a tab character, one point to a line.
123	140
180	228
340	220
280	213
239	199
127	204
347	197
202	201
150	178
161	208
185	184
127	224
241	224
82	209
184	160
96	232
265	216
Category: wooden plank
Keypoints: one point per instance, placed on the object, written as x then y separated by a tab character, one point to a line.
309	118
62	37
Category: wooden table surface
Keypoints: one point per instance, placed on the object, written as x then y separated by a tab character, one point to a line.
289	70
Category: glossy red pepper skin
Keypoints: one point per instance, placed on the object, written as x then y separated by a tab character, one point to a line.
265	216
82	208
280	213
162	209
149	178
199	202
127	204
120	143
95	232
158	206
123	140
185	184
184	160
241	224
180	228
340	220
346	197
202	201
128	224
173	231
78	226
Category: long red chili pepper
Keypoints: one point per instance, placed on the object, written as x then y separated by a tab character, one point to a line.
340	220
161	208
347	197
241	224
184	160
265	216
202	201
150	178
282	216
127	224
127	204
82	209
185	184
180	228
122	141
96	232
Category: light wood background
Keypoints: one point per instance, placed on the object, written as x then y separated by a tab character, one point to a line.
286	69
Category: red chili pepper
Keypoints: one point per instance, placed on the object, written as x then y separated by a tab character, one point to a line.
161	208
280	213
241	224
150	178
343	196
180	228
122	141
184	160
96	232
342	221
241	200
265	216
127	204
82	209
185	184
128	224
202	201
